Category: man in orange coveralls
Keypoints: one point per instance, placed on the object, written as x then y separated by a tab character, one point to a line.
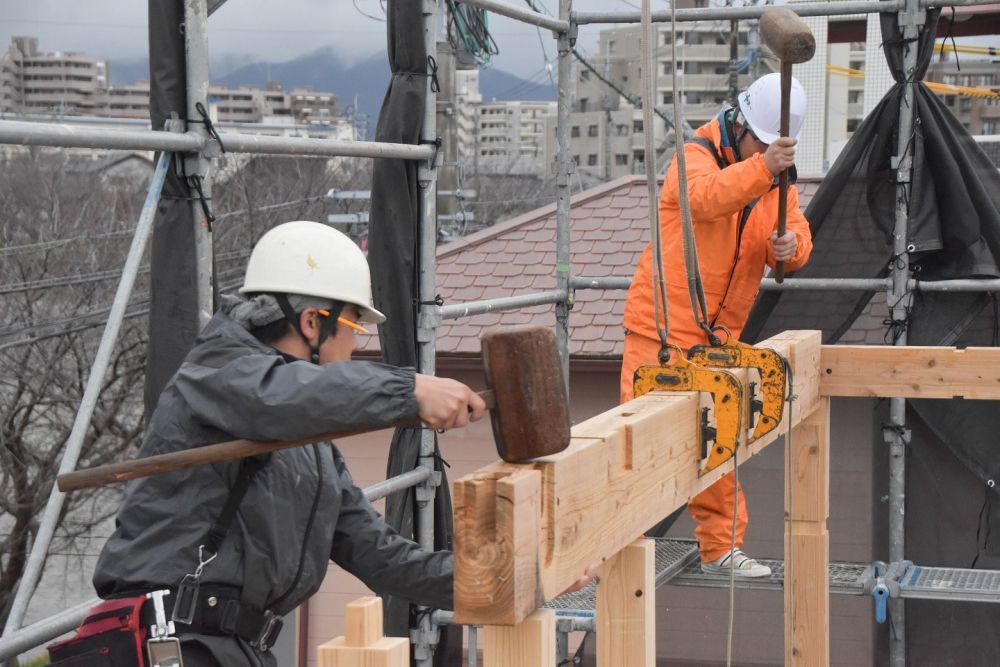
732	166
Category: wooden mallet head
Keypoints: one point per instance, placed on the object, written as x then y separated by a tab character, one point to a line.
530	414
787	35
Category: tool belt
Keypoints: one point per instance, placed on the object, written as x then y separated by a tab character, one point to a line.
219	611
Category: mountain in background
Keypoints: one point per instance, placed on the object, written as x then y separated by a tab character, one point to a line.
323	70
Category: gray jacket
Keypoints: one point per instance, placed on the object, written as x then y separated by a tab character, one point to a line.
301	510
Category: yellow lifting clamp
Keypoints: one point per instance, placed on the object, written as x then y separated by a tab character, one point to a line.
768	363
727	398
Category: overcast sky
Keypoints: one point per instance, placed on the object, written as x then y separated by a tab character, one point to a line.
274	30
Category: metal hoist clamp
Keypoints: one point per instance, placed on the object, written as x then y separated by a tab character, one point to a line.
727	399
770	407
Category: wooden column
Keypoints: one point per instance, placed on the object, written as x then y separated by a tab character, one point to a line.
530	643
626	609
807	542
363	644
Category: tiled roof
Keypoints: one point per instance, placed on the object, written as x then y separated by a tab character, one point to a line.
609	228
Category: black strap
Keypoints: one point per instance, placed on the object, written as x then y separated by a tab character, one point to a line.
248	469
708	145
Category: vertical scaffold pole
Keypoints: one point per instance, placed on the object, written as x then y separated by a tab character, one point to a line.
564	169
425	636
74	443
911	19
198	166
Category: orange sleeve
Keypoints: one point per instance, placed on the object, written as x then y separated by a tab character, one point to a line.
717	193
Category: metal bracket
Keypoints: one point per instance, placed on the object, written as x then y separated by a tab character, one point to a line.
773	378
727	398
426	491
428	322
423	641
882	583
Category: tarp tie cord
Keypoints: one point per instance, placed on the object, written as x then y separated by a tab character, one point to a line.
438	300
195	181
207	122
433	73
987	510
951	36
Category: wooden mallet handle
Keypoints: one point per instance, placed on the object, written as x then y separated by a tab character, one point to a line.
196	456
791	40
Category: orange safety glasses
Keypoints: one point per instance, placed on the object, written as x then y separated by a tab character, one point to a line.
346	322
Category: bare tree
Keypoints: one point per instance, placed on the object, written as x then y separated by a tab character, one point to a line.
65	226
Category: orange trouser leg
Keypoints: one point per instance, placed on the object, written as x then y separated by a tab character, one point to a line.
712	509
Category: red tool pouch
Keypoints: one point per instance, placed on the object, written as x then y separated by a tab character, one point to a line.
111	635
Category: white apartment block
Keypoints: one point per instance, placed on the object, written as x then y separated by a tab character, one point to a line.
73	84
510	136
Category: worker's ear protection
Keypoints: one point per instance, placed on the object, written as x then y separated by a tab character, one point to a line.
730	145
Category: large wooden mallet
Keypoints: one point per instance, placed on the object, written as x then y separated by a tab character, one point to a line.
792	42
527	402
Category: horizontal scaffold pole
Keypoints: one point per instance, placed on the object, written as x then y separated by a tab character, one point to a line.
74	136
519	13
503	303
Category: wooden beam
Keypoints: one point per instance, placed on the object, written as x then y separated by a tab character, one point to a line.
531	642
910	372
624	470
364	645
807	542
626	607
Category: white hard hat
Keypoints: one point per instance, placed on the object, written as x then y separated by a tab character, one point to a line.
312	259
760	105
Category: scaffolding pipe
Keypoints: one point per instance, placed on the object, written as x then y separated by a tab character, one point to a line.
564	170
728	13
425	636
74	443
65	135
198	166
405	480
910	20
519	13
471	308
822	284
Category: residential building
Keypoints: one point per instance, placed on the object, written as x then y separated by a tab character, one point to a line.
510	136
74	84
979	114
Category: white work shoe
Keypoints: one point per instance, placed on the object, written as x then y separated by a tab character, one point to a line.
739	562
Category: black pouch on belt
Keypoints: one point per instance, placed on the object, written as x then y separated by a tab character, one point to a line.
110	636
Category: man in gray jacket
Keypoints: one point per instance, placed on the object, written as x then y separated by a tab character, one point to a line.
275	365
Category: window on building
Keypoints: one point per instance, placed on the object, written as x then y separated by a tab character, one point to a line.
583	103
857	64
638	158
965	104
991	126
668	98
592	131
584	75
611	46
574	131
854	96
636	126
621	160
950	100
621	130
665	37
576	160
592	160
667	69
852	124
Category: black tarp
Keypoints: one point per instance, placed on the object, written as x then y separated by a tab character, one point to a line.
953	232
173	310
393	252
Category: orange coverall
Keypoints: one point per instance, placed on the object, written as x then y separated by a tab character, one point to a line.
731	277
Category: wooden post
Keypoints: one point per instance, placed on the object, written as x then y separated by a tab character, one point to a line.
626	607
530	643
807	542
364	645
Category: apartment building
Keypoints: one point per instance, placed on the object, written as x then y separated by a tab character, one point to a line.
510	136
74	84
979	115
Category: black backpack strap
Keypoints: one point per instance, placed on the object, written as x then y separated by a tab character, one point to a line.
708	145
248	469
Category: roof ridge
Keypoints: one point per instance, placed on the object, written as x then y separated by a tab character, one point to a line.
535	215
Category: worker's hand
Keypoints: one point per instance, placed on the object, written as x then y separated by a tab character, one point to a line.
446	403
581	583
785	247
780	155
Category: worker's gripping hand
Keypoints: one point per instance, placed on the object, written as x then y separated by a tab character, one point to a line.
780	155
446	403
784	248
